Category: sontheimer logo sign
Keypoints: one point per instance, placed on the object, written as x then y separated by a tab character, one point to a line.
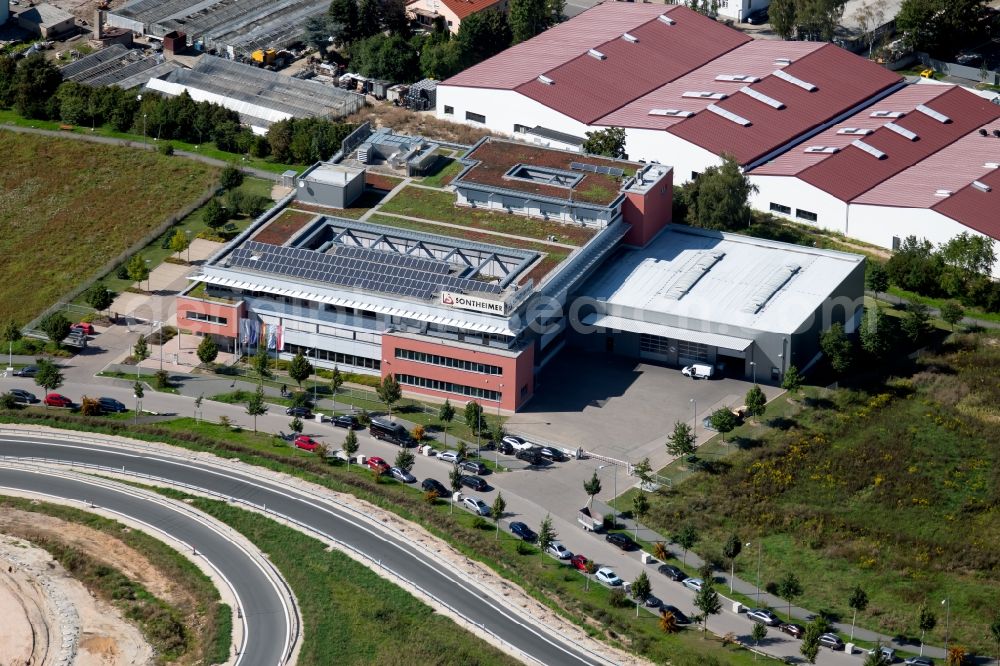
472	303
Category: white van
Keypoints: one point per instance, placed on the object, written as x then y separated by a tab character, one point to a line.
698	371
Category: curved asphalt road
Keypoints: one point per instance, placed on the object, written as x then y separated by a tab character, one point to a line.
392	552
264	613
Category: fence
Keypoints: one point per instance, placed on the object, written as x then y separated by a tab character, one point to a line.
962	71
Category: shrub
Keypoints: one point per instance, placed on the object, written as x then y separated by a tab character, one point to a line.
7	401
524	549
418	433
230	177
618	599
121	272
431	497
480	523
90	407
161	379
166	148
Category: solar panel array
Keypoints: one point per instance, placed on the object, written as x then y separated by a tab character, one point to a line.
593	168
359	268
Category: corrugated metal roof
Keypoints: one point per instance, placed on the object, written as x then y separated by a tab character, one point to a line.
655	53
975	208
842	80
755	59
795	160
851	172
556	46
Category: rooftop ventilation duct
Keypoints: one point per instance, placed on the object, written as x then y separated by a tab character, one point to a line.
887	114
942	193
594	53
859	131
782	62
761	97
992	165
981	186
770	287
676	113
703	94
983	132
901	131
738	78
795	81
546	80
666	19
926	110
686	281
728	115
868	148
629	37
822	149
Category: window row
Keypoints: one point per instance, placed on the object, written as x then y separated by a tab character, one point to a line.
449	387
334	357
799	212
448	362
211	319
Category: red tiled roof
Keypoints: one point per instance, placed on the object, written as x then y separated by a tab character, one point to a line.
974	208
853	171
586	88
462	8
842	79
556	46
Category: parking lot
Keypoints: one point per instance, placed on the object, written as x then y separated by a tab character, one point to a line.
619	407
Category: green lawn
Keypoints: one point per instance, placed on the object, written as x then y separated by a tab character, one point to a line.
894	489
936	303
70	206
440	205
447	169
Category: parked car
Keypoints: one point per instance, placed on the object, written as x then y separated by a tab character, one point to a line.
529	456
832	641
57	400
517	443
473	466
402	475
759	17
622	541
476	505
23	397
376	464
475	482
676	612
608	576
698	371
888	653
299	412
763	616
672	572
968	58
579	561
83	327
919	661
505	448
549	453
347	421
428	485
556	549
26	371
652	602
306	443
693	584
449	457
111	406
523	531
792	629
388	431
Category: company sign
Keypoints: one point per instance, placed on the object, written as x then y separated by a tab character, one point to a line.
466	302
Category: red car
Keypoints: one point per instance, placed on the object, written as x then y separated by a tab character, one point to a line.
579	561
306	442
83	327
378	465
57	400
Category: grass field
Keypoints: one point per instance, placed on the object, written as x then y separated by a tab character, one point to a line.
68	207
447	169
895	489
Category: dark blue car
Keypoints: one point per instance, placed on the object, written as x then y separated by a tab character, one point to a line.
523	531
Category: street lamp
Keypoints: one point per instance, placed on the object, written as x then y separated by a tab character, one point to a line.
694	404
753	366
947	623
187	232
616	482
149	272
760	552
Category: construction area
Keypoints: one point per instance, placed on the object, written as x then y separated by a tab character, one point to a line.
235	28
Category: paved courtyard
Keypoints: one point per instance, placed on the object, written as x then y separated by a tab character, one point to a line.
619	407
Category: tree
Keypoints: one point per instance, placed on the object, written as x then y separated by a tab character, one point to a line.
707	601
34	87
497	511
137	269
260	364
972	254
952	312
681	441
99	297
640	507
837	347
473	415
869	17
445	414
644	470
641	589
810	639
386	57
876	657
140	350
818	19
781	16
440	58
300	369
350	445
609	142
940	27
318	33
877	278
926	621
369	18
256	406
792	380
230	178
336	381
660	551
995	632
389	392
916	322
296	425
731	550
343	21
719	197
723	420
858	602
48	375
462	451
404	460
482	35
56	326
758	633
876	333
686	538
592	487
178	242
208	351
455	478
8	401
527	18
555	11
11	331
214	215
546	533
789	589
756	401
